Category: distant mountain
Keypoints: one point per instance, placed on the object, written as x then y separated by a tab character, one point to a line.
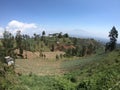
87	34
84	34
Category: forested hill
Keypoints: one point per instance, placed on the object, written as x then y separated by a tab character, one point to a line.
48	43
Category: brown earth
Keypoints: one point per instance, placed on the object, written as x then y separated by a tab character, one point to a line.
32	55
37	65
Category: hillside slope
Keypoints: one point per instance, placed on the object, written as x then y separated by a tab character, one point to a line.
99	72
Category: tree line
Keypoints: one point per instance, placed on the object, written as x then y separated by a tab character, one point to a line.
21	42
41	43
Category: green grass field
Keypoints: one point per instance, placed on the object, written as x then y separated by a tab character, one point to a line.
96	72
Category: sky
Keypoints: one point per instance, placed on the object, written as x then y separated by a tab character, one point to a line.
93	18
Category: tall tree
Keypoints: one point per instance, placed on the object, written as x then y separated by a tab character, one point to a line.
113	34
19	41
43	37
8	42
43	33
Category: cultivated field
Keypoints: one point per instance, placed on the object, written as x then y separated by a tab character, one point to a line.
38	65
49	66
95	72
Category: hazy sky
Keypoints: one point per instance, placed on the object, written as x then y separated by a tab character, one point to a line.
93	17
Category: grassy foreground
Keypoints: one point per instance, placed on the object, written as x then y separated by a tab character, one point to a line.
98	72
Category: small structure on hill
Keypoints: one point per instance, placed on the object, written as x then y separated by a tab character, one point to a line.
53	35
9	60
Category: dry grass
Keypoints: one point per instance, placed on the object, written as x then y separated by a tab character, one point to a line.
39	66
49	55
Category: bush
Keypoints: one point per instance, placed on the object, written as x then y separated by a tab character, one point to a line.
57	57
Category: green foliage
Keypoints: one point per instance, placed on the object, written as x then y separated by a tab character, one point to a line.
66	35
40	83
83	47
7	42
43	33
60	35
61	56
45	83
69	52
113	34
2	55
65	84
98	72
7	77
57	57
19	43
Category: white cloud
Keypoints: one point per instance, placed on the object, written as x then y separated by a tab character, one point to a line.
1	31
25	28
15	25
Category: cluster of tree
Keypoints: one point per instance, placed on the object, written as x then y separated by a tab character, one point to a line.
6	48
88	46
25	42
63	36
81	50
60	56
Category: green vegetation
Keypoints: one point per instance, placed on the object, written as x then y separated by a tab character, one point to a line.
8	79
99	72
56	42
93	69
113	34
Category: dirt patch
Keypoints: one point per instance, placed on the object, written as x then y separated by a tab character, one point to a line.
32	55
52	55
37	66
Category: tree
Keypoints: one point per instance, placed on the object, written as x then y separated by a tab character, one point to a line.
26	42
113	34
43	33
19	42
91	49
8	42
66	35
75	41
60	35
43	36
84	50
57	57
